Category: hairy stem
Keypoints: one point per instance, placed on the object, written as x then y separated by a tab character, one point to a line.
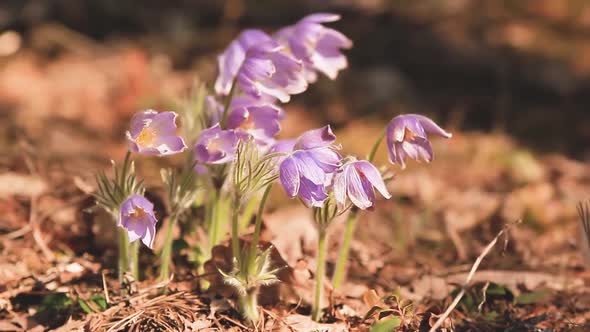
167	250
249	305
339	272
316	313
134	259
375	147
213	223
258	225
235	223
123	263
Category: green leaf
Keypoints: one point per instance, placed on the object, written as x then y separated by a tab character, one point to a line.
85	307
58	301
532	297
100	301
386	325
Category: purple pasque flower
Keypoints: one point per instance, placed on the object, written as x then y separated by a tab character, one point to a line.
136	216
216	146
254	118
308	169
230	61
356	181
317	46
268	71
154	133
407	136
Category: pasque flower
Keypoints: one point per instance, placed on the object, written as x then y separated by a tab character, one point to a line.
136	216
356	181
407	136
230	61
251	117
307	171
216	146
154	133
317	46
261	67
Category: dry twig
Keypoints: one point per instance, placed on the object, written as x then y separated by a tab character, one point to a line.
459	296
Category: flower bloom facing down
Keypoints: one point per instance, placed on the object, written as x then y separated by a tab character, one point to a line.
317	46
267	71
137	217
250	117
407	135
154	133
309	168
216	146
230	61
356	180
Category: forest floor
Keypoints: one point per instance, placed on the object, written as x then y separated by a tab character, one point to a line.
62	119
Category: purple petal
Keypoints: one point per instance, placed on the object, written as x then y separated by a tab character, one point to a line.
312	194
359	194
321	18
308	167
373	176
289	176
340	188
315	138
140	120
326	158
432	128
282	146
149	236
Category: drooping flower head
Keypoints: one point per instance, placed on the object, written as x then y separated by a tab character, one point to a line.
216	146
230	61
317	46
407	136
355	181
154	133
261	67
136	216
254	118
308	170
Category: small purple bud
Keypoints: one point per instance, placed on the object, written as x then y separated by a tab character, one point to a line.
154	133
137	217
407	136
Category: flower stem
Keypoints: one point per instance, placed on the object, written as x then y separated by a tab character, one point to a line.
134	259
258	225
235	223
167	250
375	147
316	313
228	103
213	222
249	305
123	263
345	248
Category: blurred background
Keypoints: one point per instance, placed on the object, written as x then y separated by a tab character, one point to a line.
520	67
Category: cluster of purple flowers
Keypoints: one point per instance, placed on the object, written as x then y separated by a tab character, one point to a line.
258	71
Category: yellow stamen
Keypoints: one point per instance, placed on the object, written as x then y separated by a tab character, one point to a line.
146	137
248	123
